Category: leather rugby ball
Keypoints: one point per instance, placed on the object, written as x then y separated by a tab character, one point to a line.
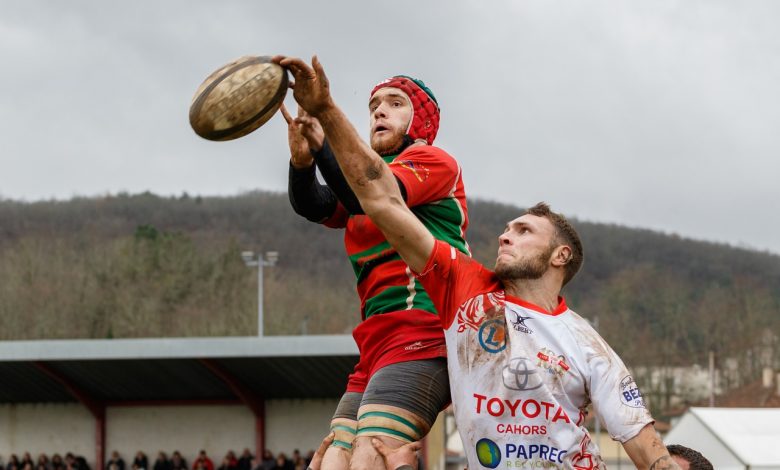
238	98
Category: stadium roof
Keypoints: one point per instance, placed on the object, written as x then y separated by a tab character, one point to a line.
175	369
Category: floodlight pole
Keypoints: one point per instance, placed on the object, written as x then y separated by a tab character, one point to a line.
260	296
271	257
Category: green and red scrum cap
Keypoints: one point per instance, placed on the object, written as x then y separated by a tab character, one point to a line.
425	108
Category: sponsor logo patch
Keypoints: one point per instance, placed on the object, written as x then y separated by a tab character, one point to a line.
519	455
488	453
551	362
530	409
630	394
492	335
520	374
419	171
520	429
519	324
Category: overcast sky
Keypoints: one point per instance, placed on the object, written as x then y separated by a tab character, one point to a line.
657	114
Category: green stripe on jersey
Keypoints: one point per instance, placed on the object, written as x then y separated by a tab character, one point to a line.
365	270
394	299
444	220
374	250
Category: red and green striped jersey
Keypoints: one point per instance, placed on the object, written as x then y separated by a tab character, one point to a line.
435	193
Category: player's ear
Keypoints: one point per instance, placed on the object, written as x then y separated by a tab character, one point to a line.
562	255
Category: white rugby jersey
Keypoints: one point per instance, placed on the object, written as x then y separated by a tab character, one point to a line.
521	378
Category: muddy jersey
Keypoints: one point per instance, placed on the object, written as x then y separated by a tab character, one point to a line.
522	377
434	192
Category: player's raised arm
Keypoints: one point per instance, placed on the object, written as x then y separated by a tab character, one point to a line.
367	174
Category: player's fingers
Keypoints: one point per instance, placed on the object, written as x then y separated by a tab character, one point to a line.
415	446
319	70
379	446
297	67
277	59
284	61
290	65
325	443
286	114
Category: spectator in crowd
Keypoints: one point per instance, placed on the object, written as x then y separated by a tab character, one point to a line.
27	460
27	466
116	462
78	462
266	462
297	460
70	459
57	463
688	458
309	457
282	463
203	462
245	461
13	463
43	462
229	462
140	462
178	462
162	462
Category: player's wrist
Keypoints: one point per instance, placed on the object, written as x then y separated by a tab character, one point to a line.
302	163
326	110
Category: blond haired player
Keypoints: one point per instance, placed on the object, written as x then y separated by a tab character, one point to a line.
523	366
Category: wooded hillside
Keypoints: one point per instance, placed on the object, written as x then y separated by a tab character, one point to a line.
142	265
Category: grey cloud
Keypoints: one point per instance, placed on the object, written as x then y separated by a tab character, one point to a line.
656	114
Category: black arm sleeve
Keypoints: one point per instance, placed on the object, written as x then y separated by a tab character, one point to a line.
331	173
308	197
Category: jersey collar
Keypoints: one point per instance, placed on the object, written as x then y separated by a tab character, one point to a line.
525	304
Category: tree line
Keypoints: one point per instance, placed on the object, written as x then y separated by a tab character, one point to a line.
141	265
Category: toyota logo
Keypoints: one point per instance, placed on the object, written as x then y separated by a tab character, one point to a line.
521	375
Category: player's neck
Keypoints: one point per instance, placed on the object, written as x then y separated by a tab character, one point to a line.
540	292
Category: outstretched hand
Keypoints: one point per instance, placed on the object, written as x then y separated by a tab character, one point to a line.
304	134
404	457
310	89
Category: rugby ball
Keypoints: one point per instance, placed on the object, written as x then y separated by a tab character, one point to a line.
238	98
